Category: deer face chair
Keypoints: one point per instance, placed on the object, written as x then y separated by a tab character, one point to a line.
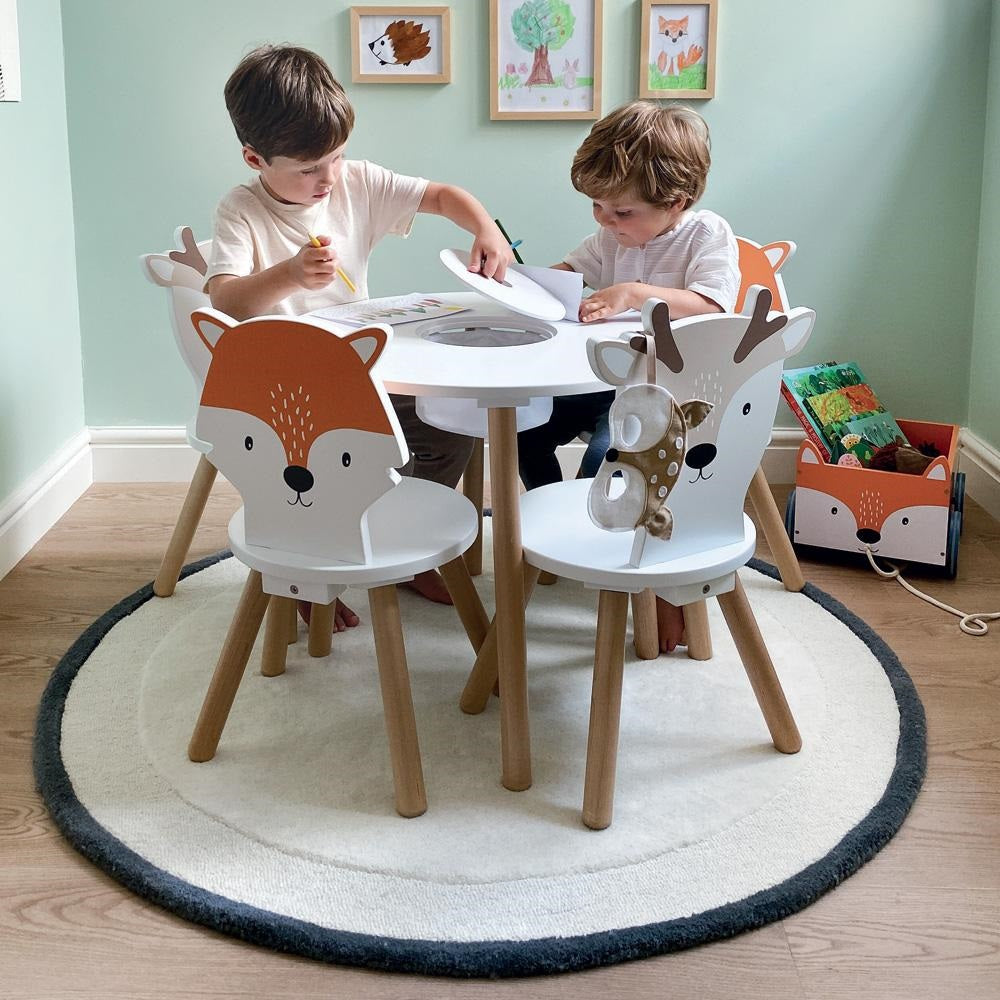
296	417
732	362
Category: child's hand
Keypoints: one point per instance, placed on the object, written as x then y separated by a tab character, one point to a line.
314	267
607	302
491	254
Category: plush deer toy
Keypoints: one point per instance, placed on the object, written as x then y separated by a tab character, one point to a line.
648	440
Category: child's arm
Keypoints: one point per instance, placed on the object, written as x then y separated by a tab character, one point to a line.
257	294
632	294
491	255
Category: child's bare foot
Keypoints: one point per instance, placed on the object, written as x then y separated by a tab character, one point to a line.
343	616
431	586
669	626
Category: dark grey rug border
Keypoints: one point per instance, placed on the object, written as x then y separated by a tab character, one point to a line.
480	959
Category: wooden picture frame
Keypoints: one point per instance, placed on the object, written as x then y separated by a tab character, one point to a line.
393	44
677	49
545	59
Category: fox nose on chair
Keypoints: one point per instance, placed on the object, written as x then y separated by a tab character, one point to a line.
700	455
298	478
868	536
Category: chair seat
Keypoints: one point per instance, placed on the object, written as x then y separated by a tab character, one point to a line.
414	527
558	536
193	440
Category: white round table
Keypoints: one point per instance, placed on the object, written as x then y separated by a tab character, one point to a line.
500	379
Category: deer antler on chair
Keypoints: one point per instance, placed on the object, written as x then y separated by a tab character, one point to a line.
189	253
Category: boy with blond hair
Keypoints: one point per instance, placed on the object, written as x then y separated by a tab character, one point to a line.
293	120
643	166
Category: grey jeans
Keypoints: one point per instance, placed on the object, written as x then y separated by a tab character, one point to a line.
437	455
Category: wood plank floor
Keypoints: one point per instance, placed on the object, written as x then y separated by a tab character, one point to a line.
922	920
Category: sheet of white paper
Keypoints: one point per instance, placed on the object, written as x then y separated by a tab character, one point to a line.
412	308
566	286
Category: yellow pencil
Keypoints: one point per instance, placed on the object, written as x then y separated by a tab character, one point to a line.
347	281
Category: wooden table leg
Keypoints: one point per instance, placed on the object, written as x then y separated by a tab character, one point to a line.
760	670
774	531
184	529
472	487
508	560
471	613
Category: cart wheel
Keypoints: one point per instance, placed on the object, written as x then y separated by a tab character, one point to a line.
790	515
958	492
954	534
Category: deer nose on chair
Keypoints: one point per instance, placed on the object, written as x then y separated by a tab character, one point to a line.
298	478
868	536
700	455
611	455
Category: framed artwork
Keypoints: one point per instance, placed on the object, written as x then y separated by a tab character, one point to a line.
401	44
10	58
545	59
677	50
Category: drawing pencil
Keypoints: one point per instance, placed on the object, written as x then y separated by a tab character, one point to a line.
343	277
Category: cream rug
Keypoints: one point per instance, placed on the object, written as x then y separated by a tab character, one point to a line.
289	837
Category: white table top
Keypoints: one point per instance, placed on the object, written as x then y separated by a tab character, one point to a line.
495	376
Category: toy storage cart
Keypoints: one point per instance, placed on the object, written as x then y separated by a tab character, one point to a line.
917	518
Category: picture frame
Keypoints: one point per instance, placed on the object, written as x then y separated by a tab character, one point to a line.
10	55
396	44
545	59
677	49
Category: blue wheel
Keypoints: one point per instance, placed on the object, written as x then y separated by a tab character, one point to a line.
951	552
958	492
790	516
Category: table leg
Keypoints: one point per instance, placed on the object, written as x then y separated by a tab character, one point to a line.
508	560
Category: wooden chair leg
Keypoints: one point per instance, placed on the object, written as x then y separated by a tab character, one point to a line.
397	702
546	579
605	710
293	622
472	487
644	637
272	661
696	631
774	531
484	675
470	608
229	670
760	670
321	628
184	529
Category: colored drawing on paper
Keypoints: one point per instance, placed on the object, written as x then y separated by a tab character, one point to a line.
394	311
679	41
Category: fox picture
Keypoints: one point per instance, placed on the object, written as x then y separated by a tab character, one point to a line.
677	53
899	516
297	423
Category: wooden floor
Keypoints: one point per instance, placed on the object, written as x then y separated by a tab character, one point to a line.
922	920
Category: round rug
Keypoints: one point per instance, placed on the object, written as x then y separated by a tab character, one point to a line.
288	837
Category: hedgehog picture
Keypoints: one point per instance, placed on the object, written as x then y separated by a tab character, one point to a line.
403	42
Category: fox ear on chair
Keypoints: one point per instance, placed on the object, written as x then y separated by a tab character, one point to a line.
210	325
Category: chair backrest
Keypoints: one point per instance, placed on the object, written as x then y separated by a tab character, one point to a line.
732	361
759	265
182	273
300	424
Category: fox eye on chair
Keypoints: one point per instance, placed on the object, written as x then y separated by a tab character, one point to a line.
248	443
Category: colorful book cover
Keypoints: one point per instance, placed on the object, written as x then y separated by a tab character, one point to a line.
835	402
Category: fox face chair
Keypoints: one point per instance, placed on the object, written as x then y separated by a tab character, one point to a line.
296	418
710	536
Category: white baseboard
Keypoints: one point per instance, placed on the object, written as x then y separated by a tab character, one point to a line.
981	465
162	455
28	513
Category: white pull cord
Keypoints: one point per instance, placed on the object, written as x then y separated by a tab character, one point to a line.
972	624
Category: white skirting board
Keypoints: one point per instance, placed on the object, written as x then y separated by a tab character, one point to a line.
161	454
28	513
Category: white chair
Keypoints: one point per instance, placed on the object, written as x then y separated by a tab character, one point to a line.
296	418
711	536
182	273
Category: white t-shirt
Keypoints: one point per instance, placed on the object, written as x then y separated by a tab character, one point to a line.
698	254
254	231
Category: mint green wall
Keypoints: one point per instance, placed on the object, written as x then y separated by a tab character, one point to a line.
984	400
41	385
858	136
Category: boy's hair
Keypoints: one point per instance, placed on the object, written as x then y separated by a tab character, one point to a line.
284	101
658	154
